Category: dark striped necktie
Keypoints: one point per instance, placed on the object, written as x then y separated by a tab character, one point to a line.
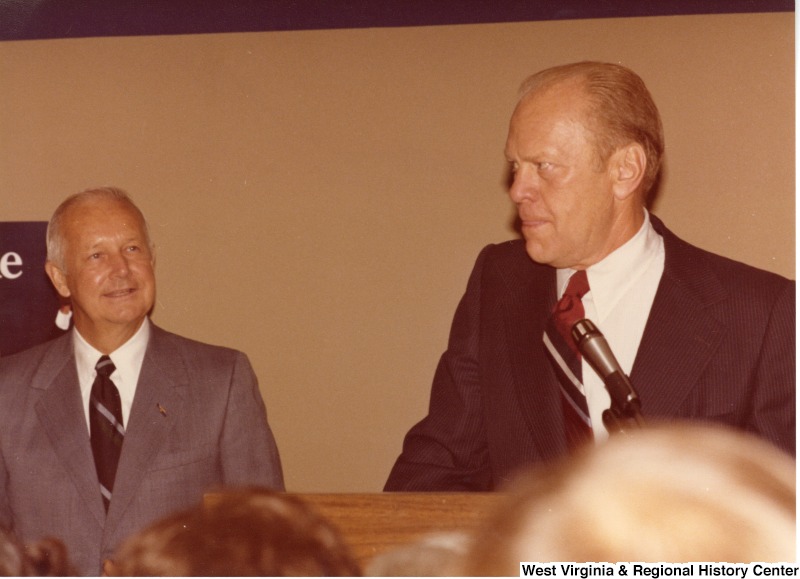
105	425
567	360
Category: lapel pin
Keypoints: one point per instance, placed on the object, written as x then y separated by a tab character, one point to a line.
161	409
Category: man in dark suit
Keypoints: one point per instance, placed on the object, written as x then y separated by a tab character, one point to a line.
702	337
91	461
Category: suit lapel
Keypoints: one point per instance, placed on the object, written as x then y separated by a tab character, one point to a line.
679	339
162	384
531	294
60	412
681	334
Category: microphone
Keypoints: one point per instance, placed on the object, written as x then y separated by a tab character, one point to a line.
594	347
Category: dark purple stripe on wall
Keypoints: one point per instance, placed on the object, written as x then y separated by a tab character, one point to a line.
34	19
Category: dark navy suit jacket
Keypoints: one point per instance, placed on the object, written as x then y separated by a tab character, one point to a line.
719	346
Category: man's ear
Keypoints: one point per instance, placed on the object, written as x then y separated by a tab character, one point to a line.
58	277
628	165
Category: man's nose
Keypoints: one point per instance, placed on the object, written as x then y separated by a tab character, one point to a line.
119	264
524	185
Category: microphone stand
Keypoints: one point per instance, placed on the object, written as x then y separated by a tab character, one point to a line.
622	416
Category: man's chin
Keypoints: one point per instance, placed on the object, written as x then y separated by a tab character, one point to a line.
132	319
538	253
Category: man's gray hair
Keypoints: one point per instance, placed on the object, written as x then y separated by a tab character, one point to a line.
55	235
620	108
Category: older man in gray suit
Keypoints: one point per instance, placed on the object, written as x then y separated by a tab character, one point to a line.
119	422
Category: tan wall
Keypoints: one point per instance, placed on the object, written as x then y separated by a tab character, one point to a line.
318	198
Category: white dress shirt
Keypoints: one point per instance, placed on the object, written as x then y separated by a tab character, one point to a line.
127	360
622	288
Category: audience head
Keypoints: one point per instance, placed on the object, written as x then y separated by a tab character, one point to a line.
238	532
101	258
433	555
45	558
668	494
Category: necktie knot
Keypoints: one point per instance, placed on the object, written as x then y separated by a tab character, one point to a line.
569	308
578	285
105	367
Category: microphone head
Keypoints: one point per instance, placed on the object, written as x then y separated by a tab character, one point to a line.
594	348
583	330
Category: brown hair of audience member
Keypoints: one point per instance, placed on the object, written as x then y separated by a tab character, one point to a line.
621	109
668	494
238	532
45	558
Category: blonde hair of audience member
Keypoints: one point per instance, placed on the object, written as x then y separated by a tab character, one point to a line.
432	555
240	532
45	558
668	494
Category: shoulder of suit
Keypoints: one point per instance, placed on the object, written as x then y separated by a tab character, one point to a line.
513	249
686	259
508	265
37	365
163	338
34	356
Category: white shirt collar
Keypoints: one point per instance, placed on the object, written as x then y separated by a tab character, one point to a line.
610	278
127	359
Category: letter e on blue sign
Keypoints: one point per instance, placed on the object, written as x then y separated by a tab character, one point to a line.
28	301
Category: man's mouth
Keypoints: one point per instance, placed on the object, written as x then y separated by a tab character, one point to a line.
532	221
120	293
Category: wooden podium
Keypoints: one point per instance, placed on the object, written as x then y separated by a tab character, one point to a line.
371	523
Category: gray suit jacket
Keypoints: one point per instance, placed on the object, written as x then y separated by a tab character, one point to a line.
719	346
213	431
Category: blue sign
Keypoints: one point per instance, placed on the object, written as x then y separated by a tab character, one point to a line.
28	301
